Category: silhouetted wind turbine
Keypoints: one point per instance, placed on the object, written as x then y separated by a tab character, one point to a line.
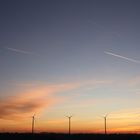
33	122
69	117
105	118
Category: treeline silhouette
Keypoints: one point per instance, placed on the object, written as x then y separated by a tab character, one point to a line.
54	136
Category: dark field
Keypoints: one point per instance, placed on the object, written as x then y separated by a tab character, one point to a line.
16	136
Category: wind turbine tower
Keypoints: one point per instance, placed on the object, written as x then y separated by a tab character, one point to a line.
69	117
105	118
33	122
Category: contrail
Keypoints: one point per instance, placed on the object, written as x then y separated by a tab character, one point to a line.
123	57
19	51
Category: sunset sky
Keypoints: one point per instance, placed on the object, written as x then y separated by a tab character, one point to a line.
70	57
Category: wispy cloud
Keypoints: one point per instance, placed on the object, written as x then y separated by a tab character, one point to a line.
30	101
25	104
19	51
36	98
122	57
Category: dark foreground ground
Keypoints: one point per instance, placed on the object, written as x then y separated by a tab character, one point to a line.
16	136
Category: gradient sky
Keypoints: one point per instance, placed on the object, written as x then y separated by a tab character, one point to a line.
70	57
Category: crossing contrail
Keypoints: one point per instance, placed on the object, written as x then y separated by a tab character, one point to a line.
122	57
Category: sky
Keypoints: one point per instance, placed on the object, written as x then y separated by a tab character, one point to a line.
70	57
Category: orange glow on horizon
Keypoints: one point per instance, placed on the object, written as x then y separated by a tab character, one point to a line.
16	112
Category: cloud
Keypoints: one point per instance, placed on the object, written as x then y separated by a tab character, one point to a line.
31	101
23	105
88	84
122	57
19	51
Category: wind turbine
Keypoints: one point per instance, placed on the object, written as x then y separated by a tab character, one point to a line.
105	118
33	122
69	117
